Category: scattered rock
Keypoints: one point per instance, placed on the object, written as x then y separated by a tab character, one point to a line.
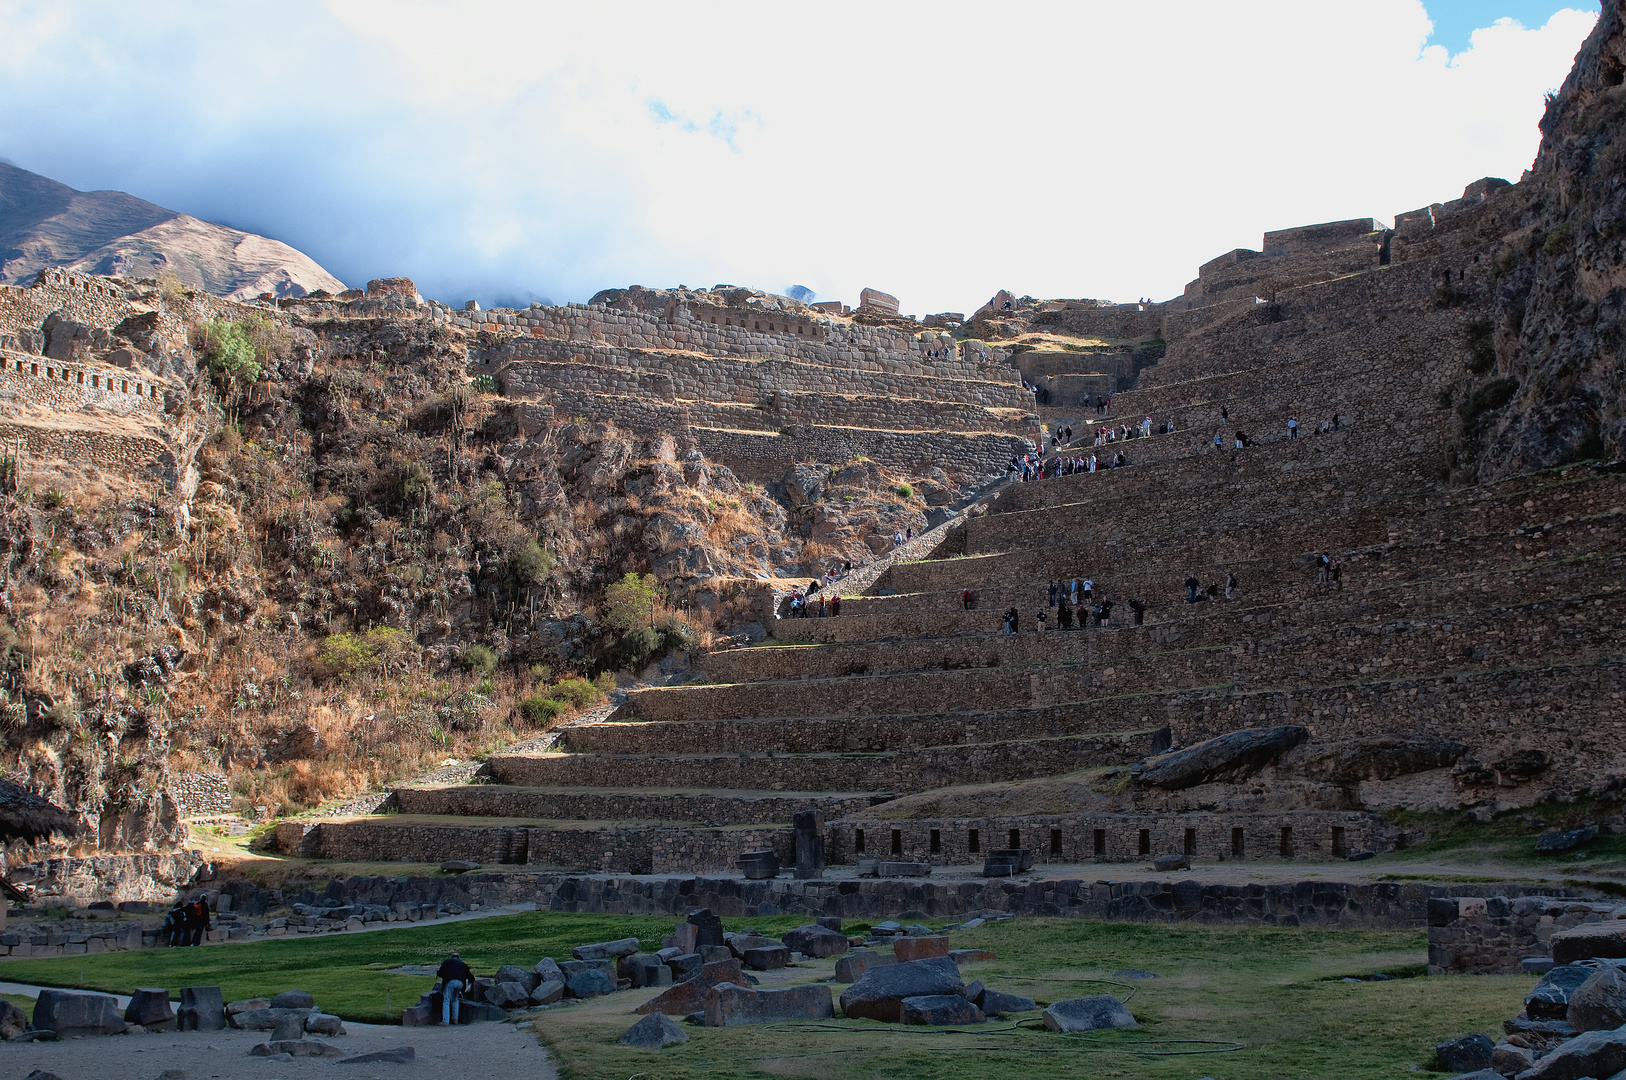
1603	939
1164	864
548	968
247	1005
149	1007
850	968
972	956
879	992
1550	1000
939	1010
817	941
290	1028
479	1012
919	948
400	1055
1465	1054
654	1032
1551	843
1088	1014
458	866
730	1005
1508	1059
998	1003
766	957
606	950
1239	753
511	973
293	999
1592	1053
71	1015
202	1009
684	966
41	1074
297	1048
589	984
13	1021
320	1023
1599	1004
548	993
690	996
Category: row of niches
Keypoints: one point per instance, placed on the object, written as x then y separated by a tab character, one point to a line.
117	382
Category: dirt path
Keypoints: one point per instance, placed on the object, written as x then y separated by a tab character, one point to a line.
475	1050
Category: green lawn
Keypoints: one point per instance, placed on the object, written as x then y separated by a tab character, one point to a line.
348	973
1233	1003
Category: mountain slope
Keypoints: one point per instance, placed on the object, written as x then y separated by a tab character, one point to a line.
44	223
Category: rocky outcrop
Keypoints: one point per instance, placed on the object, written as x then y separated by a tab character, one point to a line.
1237	754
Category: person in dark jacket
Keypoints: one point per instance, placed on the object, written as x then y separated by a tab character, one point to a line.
175	929
454	977
198	919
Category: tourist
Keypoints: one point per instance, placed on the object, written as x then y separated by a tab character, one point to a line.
1213	591
1192	585
1225	415
1336	569
1323	568
1055	591
1064	617
198	919
821	607
835	606
1082	616
1073	593
1292	428
965	599
455	977
909	533
1335	421
1039	618
1219	443
1138	606
1241	439
1230	585
1089	589
897	539
1106	612
175	925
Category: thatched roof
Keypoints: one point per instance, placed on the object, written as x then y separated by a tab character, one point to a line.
25	816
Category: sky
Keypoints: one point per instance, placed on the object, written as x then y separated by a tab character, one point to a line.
938	150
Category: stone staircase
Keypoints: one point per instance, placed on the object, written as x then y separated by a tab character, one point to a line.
1491	616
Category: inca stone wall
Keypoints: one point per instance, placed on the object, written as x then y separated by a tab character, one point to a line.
1480	935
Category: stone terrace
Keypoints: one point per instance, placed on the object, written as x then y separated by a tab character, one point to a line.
1492	616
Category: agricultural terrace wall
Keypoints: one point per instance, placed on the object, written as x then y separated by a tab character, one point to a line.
1314	835
130	454
1120	322
863	348
633	850
32	380
1485	214
491	800
93	301
712	378
880	413
753	454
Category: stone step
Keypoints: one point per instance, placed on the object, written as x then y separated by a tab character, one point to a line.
898	771
675	805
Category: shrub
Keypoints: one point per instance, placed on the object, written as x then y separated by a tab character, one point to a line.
343	654
904	491
578	692
478	658
229	351
604	681
541	672
630	603
1481	347
539	710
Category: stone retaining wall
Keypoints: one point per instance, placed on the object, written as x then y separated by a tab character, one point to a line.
1490	935
490	800
753	454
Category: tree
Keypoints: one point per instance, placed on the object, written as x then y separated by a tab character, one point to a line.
629	604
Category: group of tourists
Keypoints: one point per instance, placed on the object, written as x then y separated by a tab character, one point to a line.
1196	593
804	605
1103	404
1329	571
186	923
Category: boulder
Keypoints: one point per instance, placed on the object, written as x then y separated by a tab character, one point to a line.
731	1005
1237	754
998	1003
420	1015
13	1021
816	941
606	950
548	993
479	1012
1465	1054
708	929
711	954
833	922
458	866
512	973
575	967
321	1023
1556	841
689	996
850	968
149	1007
70	1014
290	1027
971	956
742	943
1510	1060
1550	1000
644	969
1599	1004
879	992
1603	939
1164	864
293	999
684	966
1088	1014
514	995
400	1055
1592	1053
246	1005
654	1032
767	957
203	1008
919	948
547	968
589	984
939	1010
684	937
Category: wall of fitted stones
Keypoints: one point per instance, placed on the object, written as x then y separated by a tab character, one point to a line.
200	794
1490	935
27	380
91	300
123	453
491	800
1119	322
1112	838
761	454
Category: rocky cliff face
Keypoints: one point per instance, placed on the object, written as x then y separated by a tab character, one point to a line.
1558	315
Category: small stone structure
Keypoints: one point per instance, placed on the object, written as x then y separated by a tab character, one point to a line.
1491	935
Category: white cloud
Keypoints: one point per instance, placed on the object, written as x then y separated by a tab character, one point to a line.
937	150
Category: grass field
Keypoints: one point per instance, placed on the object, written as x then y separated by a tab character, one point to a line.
1232	1003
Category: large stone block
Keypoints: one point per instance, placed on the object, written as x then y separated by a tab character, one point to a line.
588	984
1599	1004
1088	1014
1550	1000
766	957
730	1005
1592	1053
851	968
606	950
202	1009
939	1010
816	941
690	996
1465	1054
654	1032
1603	939
149	1007
70	1014
919	948
513	973
879	992
266	1019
